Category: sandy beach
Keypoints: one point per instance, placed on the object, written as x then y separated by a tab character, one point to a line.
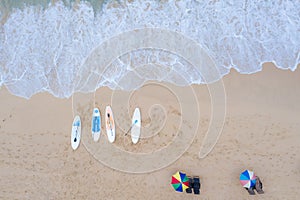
260	133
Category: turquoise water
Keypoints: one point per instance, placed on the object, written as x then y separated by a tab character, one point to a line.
43	45
9	5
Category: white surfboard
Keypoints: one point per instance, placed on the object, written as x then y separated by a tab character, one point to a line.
96	124
76	132
110	124
136	126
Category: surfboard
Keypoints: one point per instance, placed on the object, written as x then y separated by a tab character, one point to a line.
76	132
96	124
110	124
136	126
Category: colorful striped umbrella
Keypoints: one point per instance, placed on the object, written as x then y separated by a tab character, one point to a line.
180	182
247	179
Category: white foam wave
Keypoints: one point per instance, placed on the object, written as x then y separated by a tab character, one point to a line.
43	49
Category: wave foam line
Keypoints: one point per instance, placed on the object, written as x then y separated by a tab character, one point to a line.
43	49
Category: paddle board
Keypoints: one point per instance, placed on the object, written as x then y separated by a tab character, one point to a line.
96	124
136	126
110	124
76	132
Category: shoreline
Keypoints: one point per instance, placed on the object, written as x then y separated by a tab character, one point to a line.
232	70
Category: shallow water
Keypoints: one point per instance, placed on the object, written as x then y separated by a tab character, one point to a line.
54	47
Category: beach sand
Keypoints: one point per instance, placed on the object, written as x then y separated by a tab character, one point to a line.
261	132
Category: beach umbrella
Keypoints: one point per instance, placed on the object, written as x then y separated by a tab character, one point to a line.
247	179
180	182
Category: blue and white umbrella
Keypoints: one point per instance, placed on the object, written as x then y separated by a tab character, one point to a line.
247	179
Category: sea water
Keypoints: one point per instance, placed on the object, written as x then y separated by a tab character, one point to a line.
43	44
